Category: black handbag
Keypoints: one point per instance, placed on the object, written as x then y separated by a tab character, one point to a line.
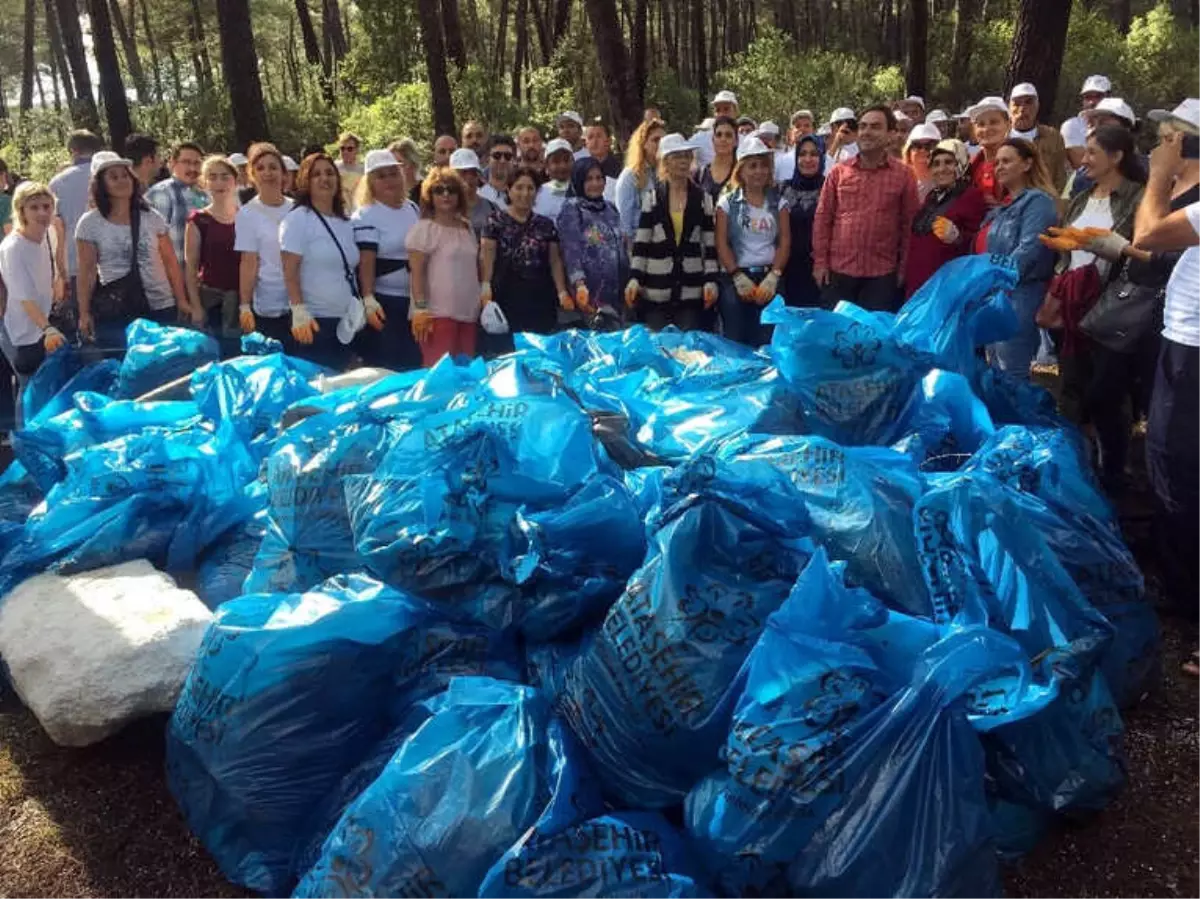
1125	314
124	299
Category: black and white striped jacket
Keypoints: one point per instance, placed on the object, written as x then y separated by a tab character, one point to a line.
665	271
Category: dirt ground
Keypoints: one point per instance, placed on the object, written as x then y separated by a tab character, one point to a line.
100	821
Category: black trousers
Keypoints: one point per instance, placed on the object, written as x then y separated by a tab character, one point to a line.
684	316
877	294
1172	460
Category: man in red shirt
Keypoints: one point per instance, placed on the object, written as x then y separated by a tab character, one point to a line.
864	219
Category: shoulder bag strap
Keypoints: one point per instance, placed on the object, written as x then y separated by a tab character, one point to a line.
351	279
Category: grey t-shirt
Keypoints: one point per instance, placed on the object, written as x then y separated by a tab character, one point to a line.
481	213
112	243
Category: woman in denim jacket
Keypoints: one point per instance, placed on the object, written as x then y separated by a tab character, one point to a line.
1012	230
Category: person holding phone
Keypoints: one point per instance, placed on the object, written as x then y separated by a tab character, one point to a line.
1173	430
842	143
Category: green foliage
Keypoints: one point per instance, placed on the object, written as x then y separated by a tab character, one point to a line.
405	111
1159	61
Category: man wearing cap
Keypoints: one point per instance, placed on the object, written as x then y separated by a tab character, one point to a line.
913	107
1074	130
725	103
768	133
290	167
1172	439
560	159
745	126
802	123
569	125
941	121
863	223
1023	109
841	143
479	210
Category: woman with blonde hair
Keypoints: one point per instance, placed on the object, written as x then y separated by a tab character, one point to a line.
382	223
261	288
443	256
28	269
409	158
210	262
640	175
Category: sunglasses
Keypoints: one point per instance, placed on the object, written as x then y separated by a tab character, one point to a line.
502	157
443	190
924	145
348	148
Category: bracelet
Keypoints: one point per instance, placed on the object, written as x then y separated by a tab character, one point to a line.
420	304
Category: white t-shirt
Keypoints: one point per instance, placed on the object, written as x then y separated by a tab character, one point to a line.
847	152
1074	133
759	233
1030	135
29	275
384	229
113	245
70	189
1181	314
785	165
550	198
1096	214
256	230
705	153
499	200
323	284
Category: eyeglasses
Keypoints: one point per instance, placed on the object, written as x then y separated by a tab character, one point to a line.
502	157
445	190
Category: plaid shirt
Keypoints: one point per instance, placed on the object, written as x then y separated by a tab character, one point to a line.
174	201
864	219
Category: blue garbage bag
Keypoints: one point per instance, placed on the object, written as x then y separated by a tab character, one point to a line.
53	396
291	692
158	354
484	763
946	423
646	486
622	854
963	306
43	444
1015	400
985	565
851	768
857	502
504	506
853	380
650	699
547	664
225	565
253	392
19	495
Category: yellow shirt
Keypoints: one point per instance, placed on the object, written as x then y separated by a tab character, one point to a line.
677	224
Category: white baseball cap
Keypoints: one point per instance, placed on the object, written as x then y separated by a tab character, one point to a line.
937	115
769	128
802	114
842	114
901	116
106	159
464	160
920	101
750	146
290	165
1024	89
1096	84
1185	116
924	131
707	124
675	143
988	104
571	116
238	159
559	145
824	130
725	97
1113	106
965	114
379	159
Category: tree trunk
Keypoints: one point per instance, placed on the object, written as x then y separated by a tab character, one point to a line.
112	87
293	64
541	21
562	19
452	28
1037	50
41	88
614	65
132	62
960	52
638	48
501	38
83	111
151	45
27	56
331	24
522	47
176	75
58	59
312	49
918	48
239	56
701	51
1122	14
435	62
54	76
200	46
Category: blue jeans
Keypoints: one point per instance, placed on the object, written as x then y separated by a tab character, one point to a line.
741	319
1016	354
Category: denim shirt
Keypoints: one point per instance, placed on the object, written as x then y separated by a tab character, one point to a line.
1013	231
735	232
629	199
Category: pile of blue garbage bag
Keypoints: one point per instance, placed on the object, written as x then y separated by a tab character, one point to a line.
618	614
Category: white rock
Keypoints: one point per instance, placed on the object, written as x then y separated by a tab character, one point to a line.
88	653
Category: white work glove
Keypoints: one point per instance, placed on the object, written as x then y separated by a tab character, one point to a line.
1108	246
485	293
766	288
631	293
945	230
246	318
54	339
374	312
304	326
744	285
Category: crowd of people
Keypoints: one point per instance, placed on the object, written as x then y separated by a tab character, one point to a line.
370	258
